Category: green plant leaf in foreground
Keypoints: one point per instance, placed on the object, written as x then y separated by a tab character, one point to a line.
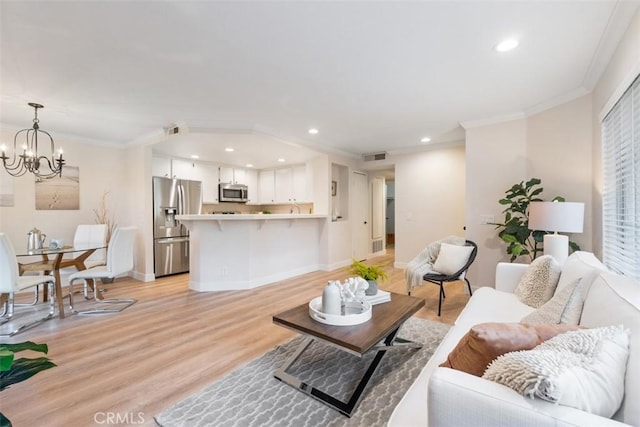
4	421
27	345
23	369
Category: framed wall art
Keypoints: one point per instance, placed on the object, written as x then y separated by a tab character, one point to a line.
59	192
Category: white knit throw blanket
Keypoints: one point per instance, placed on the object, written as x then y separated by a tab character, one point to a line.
423	263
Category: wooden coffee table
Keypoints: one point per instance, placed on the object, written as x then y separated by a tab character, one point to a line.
377	334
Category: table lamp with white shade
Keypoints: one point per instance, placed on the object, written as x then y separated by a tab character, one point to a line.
564	217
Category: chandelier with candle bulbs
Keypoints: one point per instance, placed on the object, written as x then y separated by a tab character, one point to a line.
29	156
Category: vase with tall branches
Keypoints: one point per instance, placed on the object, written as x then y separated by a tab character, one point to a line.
104	216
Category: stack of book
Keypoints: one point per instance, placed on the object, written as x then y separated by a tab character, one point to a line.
380	297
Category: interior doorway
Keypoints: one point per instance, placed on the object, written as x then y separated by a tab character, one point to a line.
361	222
390	220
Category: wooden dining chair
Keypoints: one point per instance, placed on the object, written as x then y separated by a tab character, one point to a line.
11	283
119	261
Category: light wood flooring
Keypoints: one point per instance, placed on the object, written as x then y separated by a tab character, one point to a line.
170	344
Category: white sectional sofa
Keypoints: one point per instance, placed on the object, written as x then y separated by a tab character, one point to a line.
446	397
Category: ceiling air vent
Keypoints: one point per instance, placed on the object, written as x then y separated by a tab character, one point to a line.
176	129
375	156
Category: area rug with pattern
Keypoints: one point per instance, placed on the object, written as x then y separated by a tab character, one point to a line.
252	397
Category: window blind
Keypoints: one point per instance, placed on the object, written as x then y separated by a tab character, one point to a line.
621	186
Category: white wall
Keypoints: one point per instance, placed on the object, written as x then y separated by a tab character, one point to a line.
125	173
496	159
560	145
554	145
622	69
101	169
140	201
559	152
429	199
337	236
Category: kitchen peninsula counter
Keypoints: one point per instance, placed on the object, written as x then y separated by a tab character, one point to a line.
245	251
249	217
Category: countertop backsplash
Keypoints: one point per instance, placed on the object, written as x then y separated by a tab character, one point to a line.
241	208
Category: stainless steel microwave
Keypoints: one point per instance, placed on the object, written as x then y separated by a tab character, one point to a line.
238	193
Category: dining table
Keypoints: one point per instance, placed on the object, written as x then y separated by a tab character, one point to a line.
52	259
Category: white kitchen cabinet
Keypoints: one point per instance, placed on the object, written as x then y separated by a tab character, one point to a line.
267	188
251	180
284	185
291	185
206	173
239	176
300	185
233	175
161	166
226	174
184	169
209	178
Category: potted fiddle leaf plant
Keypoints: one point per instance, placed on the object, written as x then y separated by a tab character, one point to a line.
514	230
370	273
13	371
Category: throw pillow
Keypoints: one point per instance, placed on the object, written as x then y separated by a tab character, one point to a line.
584	369
451	258
579	265
434	248
486	341
565	307
539	282
572	312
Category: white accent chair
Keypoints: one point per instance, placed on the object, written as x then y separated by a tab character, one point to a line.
119	261
12	283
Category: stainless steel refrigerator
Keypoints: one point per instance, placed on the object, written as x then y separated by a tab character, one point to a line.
172	197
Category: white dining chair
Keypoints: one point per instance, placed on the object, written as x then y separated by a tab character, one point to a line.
119	261
12	283
87	236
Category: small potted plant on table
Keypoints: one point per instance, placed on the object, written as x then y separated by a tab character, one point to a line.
370	273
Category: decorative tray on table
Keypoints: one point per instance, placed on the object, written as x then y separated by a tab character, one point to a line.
355	313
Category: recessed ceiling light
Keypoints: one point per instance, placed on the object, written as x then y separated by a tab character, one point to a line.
506	45
281	160
313	131
195	156
425	139
229	149
248	165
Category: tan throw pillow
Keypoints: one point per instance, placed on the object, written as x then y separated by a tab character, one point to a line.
452	258
486	341
573	309
553	310
539	282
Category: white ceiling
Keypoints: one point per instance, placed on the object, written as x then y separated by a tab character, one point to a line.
371	76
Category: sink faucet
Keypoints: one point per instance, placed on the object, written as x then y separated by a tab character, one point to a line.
294	206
